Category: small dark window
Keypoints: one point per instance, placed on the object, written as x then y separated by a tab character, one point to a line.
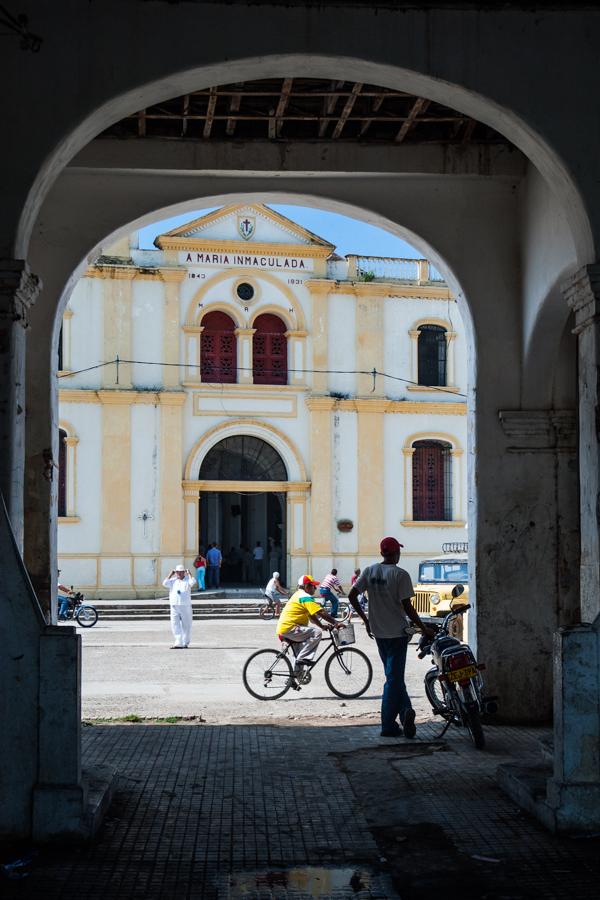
245	291
432	349
432	481
60	350
269	354
218	351
62	472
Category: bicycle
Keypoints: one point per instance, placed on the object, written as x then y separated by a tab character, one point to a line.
344	609
270	608
268	674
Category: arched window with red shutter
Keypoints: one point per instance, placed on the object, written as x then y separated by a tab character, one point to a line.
269	353
218	352
432	481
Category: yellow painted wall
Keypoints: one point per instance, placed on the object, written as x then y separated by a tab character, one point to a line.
116	474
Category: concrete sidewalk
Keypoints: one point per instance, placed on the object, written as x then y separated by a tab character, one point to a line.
260	811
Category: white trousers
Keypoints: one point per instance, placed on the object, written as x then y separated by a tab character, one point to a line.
181	623
309	636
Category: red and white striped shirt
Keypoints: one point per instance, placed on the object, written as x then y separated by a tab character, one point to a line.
331	581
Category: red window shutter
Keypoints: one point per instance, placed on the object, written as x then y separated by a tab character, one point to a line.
428	482
269	350
218	350
62	472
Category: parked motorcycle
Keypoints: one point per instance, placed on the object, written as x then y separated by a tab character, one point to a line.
454	685
85	614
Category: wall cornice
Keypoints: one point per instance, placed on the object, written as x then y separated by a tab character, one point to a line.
131	273
122	398
401	407
377	289
302	251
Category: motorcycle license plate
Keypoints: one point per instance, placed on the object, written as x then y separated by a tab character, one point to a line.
462	674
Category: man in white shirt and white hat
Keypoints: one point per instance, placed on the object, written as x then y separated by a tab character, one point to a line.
180	582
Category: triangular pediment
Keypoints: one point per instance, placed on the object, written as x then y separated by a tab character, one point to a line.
244	225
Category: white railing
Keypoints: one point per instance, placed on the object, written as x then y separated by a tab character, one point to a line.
386	268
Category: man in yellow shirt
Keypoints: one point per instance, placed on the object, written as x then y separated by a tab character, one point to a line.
300	622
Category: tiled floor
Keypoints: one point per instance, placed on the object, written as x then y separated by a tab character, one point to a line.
250	811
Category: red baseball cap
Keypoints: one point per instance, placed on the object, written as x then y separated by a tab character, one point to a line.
304	580
389	545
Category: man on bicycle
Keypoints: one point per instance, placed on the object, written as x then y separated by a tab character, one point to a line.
273	591
329	584
300	622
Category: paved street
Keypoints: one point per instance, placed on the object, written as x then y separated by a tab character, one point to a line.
128	669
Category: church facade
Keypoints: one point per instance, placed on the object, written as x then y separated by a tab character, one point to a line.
242	383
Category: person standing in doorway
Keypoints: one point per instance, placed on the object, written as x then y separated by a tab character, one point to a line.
214	558
200	567
390	621
258	554
180	582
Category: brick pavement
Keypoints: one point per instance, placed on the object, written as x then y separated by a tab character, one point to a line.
260	811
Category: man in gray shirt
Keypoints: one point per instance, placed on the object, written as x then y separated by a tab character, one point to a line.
390	621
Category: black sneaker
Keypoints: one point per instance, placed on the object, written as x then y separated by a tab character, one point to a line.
409	726
391	732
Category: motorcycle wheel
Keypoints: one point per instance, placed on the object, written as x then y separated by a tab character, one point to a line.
434	692
266	612
86	616
473	723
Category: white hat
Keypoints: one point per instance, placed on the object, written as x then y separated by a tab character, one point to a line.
180	568
275	574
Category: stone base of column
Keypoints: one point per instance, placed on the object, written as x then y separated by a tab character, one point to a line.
73	812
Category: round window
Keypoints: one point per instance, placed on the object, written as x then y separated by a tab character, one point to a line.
245	291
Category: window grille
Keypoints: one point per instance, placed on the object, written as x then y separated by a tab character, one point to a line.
269	350
432	350
432	481
243	458
218	349
62	472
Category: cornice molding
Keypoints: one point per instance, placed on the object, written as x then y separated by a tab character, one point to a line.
19	288
121	398
401	407
539	430
245	248
377	289
131	273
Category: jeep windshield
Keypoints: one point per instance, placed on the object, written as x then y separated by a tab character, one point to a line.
449	572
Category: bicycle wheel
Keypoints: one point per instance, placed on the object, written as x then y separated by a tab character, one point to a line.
343	609
473	723
86	616
267	611
267	674
348	672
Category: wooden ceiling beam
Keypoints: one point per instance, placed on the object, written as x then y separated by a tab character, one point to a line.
420	105
331	98
276	121
346	110
234	106
210	112
186	112
375	108
141	123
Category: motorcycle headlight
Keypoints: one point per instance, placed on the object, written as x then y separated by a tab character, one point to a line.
434	599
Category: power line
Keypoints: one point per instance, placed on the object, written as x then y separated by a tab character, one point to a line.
370	372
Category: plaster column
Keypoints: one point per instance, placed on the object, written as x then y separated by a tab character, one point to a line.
457	485
191	500
296	357
320	466
18	290
320	333
71	443
116	471
117	283
171	372
450	367
369	342
408	453
370	476
244	355
583	296
66	339
171	466
193	337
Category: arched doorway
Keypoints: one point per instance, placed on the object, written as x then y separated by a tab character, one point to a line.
240	520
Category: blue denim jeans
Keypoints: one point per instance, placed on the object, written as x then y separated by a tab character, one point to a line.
328	594
213	576
63	607
395	701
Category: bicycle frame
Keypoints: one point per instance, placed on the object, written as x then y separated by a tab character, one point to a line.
327	649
